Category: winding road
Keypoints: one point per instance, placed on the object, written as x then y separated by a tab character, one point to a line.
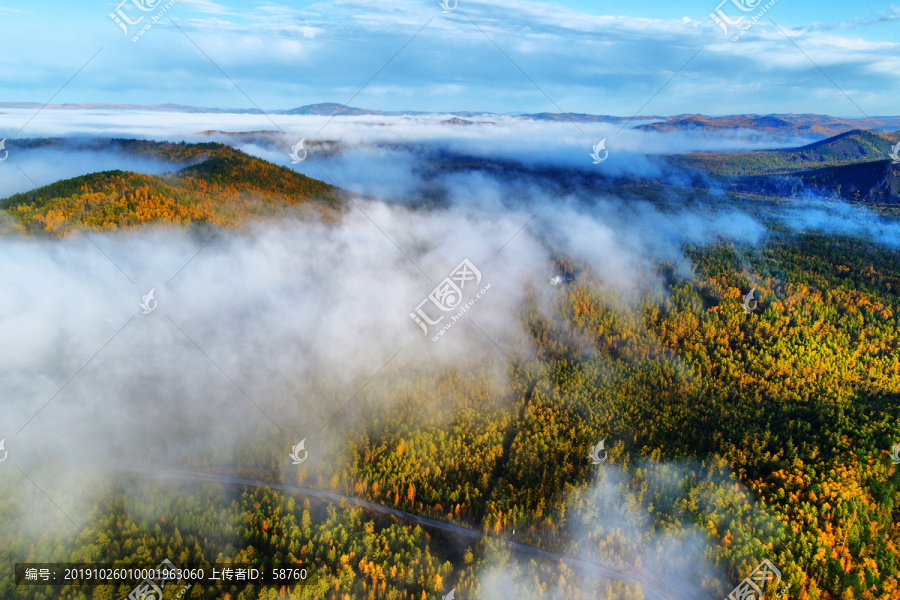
651	588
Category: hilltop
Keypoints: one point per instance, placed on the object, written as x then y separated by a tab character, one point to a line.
219	185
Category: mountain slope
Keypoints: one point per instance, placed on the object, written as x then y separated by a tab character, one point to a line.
225	188
846	148
853	165
877	181
872	182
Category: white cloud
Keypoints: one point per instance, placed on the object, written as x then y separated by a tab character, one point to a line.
284	57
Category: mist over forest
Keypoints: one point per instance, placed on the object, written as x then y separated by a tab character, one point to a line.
474	300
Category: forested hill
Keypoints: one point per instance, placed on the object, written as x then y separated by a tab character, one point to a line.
847	148
855	166
220	185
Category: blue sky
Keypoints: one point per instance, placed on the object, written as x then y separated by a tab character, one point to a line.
594	56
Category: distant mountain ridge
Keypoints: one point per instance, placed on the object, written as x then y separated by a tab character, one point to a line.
810	125
794	124
322	109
